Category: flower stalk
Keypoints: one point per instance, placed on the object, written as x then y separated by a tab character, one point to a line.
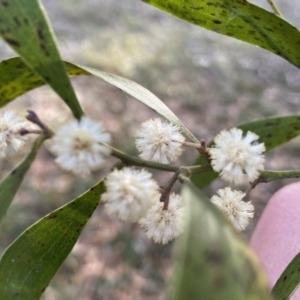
200	147
165	195
32	117
129	160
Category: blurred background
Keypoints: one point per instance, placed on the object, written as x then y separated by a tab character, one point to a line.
210	81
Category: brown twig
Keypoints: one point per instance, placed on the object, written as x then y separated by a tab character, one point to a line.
24	131
165	196
201	147
32	117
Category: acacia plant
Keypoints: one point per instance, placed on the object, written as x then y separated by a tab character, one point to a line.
210	252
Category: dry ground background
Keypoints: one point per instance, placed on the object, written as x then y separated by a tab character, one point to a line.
211	82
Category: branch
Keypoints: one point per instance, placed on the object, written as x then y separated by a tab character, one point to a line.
134	161
165	195
268	176
32	117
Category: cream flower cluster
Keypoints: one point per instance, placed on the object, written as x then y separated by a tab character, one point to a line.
77	145
159	141
231	204
133	195
11	139
232	154
129	193
164	225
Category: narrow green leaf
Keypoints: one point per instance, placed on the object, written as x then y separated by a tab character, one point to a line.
10	184
23	25
213	260
143	95
288	281
16	79
273	131
31	261
239	19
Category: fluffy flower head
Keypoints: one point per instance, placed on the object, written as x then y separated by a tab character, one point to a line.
159	141
11	141
234	154
129	193
76	145
237	211
164	225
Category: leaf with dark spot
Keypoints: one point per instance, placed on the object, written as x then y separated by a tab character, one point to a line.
31	261
288	281
241	20
25	28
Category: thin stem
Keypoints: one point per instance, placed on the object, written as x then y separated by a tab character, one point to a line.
275	9
32	117
39	142
134	161
24	131
165	196
248	190
189	170
201	147
131	160
268	176
118	165
192	145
